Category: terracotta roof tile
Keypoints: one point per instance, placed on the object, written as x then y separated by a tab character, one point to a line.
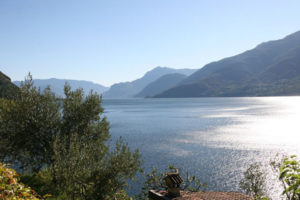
209	195
214	196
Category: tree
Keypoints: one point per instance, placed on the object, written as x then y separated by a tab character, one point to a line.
84	166
28	125
254	182
68	138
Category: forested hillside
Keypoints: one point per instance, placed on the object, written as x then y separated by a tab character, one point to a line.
7	88
272	68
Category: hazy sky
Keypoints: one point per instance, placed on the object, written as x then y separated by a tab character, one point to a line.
119	40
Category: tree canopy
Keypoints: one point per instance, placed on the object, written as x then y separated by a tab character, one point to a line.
69	138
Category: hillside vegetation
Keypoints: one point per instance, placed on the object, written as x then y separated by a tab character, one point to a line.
272	68
7	88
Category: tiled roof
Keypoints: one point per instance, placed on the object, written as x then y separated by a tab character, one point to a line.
214	196
210	195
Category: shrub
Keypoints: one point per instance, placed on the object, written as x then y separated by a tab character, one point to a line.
254	182
290	177
10	188
288	170
155	180
41	182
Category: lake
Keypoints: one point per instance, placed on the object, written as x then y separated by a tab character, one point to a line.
214	138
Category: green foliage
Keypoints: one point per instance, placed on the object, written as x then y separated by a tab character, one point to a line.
84	166
192	183
254	182
41	182
122	196
290	177
10	188
288	170
28	125
155	181
7	89
64	145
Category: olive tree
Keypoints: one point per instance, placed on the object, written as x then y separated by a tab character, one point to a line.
67	138
84	164
28	126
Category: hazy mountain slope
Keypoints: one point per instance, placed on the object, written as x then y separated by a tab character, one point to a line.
7	88
57	85
161	84
130	89
286	67
258	72
254	61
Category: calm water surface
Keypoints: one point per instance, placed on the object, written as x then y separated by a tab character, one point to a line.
215	138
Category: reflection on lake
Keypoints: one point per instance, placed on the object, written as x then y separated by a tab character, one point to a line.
215	138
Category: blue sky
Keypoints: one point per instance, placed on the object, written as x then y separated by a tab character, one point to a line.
119	40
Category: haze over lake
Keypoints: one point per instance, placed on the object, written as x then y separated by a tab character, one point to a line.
215	138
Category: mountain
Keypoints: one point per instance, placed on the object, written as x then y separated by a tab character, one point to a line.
57	85
130	89
161	84
7	88
272	68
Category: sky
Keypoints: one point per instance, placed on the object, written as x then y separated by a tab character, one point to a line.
119	40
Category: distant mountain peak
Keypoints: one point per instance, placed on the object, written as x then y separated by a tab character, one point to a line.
161	84
130	89
57	85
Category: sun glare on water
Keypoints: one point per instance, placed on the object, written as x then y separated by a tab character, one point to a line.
277	126
279	129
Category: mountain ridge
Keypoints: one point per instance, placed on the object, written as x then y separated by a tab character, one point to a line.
57	85
130	89
250	69
161	84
